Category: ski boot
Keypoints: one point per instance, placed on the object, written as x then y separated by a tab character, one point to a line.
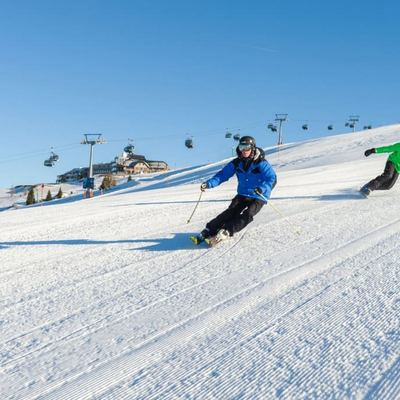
204	234
219	237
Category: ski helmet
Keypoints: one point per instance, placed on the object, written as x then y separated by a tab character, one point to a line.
248	140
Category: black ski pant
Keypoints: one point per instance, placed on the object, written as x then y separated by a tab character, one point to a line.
239	214
386	180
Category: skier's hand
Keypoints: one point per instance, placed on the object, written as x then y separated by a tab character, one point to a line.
258	191
203	187
369	152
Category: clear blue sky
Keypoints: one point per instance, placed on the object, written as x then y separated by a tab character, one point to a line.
155	70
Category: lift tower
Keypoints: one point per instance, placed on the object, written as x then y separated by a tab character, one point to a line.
92	142
281	118
353	119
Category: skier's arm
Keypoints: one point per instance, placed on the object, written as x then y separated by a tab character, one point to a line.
222	176
388	149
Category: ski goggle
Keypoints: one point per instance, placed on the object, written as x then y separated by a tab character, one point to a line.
245	147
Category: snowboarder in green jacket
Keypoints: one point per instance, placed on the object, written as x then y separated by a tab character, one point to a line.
389	177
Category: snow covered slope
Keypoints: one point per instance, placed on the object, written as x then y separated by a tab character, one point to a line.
107	298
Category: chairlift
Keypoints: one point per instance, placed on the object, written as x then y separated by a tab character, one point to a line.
54	157
330	127
50	161
189	143
367	127
237	137
305	127
228	135
351	126
347	124
129	149
273	127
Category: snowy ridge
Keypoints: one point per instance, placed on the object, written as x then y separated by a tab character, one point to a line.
107	298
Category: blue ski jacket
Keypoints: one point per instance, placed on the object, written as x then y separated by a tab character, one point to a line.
259	174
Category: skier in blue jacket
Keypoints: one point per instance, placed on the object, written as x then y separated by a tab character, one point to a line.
255	177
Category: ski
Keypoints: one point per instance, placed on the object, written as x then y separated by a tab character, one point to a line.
213	241
219	237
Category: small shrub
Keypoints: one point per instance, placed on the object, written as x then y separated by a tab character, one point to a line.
108	181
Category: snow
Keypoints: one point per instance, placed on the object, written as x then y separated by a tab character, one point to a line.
107	298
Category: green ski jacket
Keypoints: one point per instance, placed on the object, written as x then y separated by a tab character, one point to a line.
394	157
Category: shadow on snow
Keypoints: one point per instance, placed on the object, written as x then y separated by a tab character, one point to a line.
179	241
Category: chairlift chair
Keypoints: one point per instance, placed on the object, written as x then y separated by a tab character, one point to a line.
305	127
129	149
330	127
189	143
237	137
49	163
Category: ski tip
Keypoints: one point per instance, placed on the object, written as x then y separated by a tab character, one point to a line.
193	239
209	242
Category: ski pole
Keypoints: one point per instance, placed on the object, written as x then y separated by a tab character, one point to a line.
198	201
280	213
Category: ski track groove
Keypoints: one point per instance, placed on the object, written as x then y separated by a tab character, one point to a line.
261	330
78	312
92	277
88	329
194	317
388	387
125	316
180	326
86	278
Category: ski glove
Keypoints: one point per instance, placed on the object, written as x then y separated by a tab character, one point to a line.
369	152
258	191
203	187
